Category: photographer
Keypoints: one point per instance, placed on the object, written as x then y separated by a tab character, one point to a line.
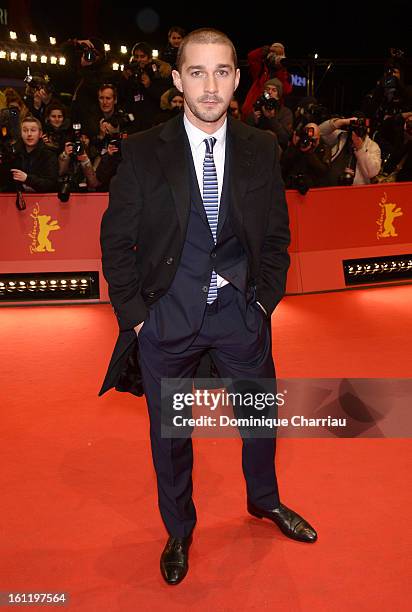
397	147
390	96
355	158
269	113
305	163
266	63
76	170
57	127
108	163
171	104
33	166
143	82
174	38
88	58
111	120
39	94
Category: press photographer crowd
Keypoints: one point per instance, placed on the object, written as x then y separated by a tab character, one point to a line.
72	142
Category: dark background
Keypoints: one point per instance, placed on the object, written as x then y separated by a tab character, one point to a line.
362	29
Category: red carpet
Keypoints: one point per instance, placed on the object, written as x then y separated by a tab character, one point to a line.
78	504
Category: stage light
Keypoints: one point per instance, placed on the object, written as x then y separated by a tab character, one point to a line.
62	61
52	40
49	286
33	38
378	269
13	55
3	54
106	47
123	49
53	59
43	59
33	57
115	66
155	53
23	56
13	35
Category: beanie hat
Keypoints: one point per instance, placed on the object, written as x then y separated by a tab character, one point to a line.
275	83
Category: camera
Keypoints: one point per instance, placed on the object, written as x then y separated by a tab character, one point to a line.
64	190
89	53
152	70
299	182
306	135
78	147
265	101
358	126
346	179
390	81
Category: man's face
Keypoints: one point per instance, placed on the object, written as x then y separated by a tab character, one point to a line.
30	133
56	118
207	79
141	58
234	109
176	102
273	92
175	39
107	100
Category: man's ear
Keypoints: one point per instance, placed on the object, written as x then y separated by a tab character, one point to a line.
237	78
177	81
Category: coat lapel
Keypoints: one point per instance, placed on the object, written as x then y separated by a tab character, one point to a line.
241	149
171	153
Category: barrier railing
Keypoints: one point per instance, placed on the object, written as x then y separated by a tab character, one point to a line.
328	226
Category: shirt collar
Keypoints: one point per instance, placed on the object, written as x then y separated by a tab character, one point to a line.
197	136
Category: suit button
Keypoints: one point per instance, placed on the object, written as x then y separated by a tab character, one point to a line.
151	294
205	288
213	255
170	260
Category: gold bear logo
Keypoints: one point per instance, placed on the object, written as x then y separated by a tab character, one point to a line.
389	212
45	226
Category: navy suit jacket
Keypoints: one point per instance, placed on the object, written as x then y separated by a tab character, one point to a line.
144	228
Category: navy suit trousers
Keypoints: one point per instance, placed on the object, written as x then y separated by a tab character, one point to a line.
236	332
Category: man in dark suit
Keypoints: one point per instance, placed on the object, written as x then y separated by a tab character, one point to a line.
194	248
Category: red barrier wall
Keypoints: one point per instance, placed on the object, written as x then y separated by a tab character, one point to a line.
327	225
330	225
49	236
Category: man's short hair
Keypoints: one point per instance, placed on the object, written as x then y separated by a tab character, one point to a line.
108	86
31	119
204	36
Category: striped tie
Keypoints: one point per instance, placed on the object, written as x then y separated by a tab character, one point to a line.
211	204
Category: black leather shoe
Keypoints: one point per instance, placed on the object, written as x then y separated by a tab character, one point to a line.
174	560
288	521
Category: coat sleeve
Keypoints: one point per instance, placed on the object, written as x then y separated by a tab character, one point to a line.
274	258
44	178
119	242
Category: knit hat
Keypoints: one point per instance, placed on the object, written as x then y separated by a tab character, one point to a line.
275	83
